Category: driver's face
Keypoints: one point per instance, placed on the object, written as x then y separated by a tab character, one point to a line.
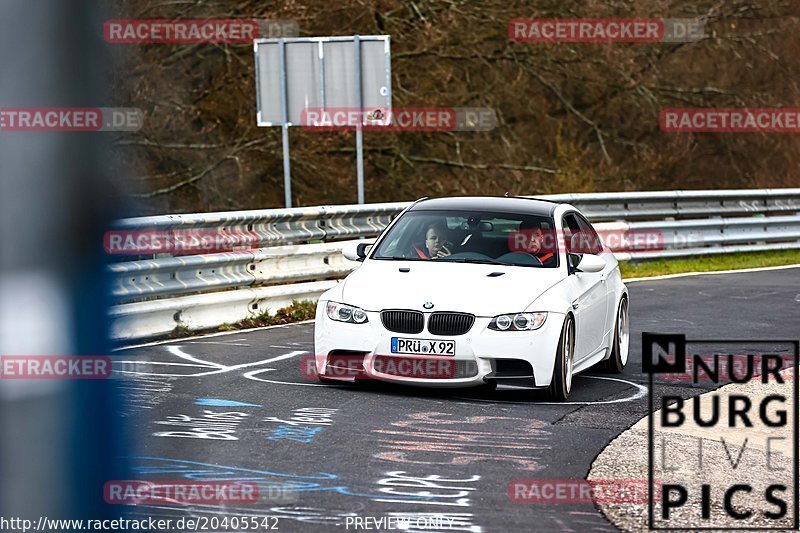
433	241
535	243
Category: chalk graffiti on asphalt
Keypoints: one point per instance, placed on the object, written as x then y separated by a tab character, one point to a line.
185	469
421	438
400	487
210	425
144	392
144	367
303	425
219	402
295	434
451	491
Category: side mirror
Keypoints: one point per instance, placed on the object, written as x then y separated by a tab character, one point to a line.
355	250
572	262
590	263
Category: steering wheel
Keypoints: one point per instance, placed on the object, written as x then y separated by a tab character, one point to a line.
520	258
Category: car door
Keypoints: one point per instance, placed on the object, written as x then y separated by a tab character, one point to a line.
597	248
587	291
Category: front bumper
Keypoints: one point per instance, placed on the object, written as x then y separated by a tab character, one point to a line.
474	363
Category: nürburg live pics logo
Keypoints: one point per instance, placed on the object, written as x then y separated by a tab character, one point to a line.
722	433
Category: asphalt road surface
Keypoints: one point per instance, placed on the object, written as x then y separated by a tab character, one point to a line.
239	407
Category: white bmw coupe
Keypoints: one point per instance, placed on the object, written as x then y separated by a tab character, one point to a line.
477	291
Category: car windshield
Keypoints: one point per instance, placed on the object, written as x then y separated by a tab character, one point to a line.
471	237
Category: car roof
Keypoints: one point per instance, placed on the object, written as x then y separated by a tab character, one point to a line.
518	205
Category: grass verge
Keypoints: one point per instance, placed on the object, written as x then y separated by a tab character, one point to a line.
710	263
298	311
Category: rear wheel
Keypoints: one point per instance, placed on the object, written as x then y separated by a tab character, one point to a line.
619	346
561	382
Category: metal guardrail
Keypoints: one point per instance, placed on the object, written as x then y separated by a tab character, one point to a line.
273	227
684	238
202	291
174	276
631	206
156	318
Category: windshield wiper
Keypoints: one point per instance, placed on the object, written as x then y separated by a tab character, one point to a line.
474	261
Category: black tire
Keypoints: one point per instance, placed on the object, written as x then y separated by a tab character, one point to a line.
561	382
619	357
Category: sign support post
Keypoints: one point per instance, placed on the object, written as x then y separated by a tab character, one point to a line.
287	167
359	131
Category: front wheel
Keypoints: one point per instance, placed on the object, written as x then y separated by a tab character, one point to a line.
561	382
619	347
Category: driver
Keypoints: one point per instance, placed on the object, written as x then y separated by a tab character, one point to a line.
536	242
434	247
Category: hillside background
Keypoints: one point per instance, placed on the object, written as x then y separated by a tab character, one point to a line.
572	117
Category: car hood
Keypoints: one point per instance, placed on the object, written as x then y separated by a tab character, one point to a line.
463	287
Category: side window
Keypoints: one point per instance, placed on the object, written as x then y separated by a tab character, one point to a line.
593	243
572	234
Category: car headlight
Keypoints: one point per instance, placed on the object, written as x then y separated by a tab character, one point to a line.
518	322
345	313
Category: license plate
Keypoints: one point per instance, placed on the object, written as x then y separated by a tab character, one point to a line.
423	346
